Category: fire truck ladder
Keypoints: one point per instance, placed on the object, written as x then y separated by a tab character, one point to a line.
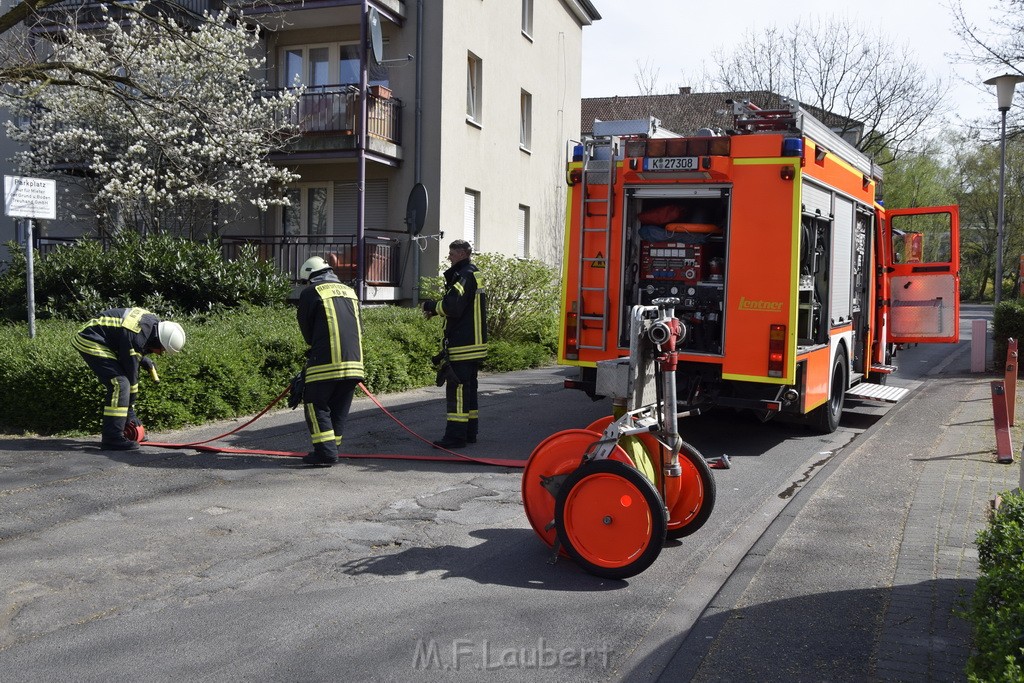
599	153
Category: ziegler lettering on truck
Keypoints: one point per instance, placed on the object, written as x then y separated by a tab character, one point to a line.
749	305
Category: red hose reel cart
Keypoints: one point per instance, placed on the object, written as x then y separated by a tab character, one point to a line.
608	495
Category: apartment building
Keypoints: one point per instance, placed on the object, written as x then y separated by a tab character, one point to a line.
474	100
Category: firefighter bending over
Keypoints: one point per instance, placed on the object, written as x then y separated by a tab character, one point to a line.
330	323
464	345
114	345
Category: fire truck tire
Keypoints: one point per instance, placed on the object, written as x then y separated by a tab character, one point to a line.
610	519
825	418
697	498
558	455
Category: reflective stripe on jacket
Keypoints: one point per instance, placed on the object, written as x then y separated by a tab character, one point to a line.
464	308
329	321
121	334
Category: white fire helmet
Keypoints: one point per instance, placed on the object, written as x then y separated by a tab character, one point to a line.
172	336
314	264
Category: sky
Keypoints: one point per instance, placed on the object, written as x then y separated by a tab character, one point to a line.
678	37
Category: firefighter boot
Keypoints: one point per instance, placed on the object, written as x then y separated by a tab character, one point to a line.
472	430
113	435
455	436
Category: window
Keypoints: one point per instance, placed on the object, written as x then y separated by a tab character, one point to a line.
525	119
309	212
471	219
307	65
523	232
528	18
327	65
474	88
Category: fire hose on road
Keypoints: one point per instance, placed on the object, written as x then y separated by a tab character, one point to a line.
137	433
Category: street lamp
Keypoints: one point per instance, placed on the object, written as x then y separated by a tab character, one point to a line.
1005	85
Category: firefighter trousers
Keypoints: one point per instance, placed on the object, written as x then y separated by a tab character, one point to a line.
463	418
327	404
119	397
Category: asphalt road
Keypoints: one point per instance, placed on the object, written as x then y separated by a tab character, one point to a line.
172	564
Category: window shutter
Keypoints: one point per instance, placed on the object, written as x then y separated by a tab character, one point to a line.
375	208
469	219
521	231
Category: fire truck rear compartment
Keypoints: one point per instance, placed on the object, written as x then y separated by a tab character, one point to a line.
676	246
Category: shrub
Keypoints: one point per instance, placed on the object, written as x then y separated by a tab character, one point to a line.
1007	321
522	298
167	275
234	363
997	607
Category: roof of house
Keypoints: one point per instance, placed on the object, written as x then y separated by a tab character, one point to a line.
685	112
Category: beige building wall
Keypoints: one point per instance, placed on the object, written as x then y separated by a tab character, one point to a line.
485	155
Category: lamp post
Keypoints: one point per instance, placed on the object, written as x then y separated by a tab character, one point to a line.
1005	85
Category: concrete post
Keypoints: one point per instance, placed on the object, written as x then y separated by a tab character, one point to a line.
979	345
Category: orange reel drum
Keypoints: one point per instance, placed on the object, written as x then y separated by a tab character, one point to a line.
559	454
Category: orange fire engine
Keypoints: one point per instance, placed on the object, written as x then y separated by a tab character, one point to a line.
795	285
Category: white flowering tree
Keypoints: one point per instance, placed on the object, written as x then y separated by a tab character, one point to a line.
167	128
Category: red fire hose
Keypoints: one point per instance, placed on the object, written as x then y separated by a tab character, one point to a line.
451	457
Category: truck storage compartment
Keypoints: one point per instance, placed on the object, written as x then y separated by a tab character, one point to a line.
676	242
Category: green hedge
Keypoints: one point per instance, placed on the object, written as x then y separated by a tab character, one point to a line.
997	607
234	364
1007	322
170	276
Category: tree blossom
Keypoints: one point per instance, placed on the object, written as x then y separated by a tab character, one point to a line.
183	148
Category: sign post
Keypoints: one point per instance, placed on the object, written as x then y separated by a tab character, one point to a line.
30	198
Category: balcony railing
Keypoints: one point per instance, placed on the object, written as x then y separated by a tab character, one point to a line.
334	109
288	253
85	12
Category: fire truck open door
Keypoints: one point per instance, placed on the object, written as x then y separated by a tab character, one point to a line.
921	275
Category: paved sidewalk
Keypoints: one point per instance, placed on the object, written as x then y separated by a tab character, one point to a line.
868	577
923	637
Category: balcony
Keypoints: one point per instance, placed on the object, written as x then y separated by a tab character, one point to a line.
288	253
328	119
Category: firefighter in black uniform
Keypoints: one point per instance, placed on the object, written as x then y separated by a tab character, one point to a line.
464	308
330	323
114	345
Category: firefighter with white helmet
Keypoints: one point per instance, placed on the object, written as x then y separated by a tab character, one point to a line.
114	345
329	319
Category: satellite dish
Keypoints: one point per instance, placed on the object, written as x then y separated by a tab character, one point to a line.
416	209
376	40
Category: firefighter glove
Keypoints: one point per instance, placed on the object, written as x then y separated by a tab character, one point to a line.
298	385
446	374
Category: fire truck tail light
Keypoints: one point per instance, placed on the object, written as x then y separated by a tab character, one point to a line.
697	147
676	147
636	148
572	351
776	350
720	146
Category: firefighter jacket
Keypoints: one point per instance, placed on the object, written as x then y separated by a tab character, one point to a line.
329	321
122	335
464	307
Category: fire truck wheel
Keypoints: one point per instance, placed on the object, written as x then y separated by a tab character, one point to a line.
554	459
825	418
610	519
697	498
